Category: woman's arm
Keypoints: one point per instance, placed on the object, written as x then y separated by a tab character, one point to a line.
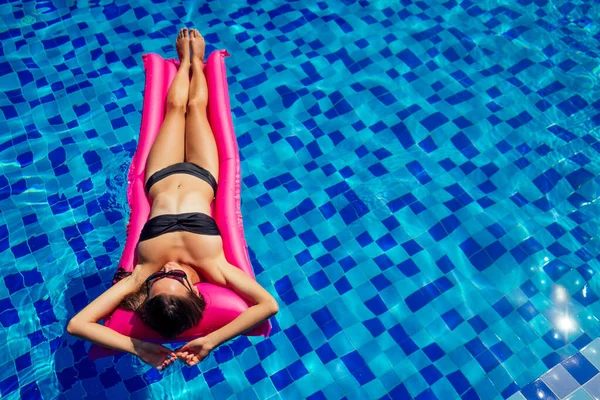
85	324
265	305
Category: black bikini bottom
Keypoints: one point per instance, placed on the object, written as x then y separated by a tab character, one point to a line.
183	168
194	222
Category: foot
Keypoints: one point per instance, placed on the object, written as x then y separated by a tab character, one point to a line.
197	43
182	44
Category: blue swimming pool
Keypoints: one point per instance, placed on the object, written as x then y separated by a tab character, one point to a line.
419	187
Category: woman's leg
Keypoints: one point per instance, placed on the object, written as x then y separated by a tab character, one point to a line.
200	145
168	147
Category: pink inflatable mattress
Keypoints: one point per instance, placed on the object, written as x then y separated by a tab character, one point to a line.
223	304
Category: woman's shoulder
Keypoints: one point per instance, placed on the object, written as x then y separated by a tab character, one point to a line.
210	272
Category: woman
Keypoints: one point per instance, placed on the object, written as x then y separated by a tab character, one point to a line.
180	241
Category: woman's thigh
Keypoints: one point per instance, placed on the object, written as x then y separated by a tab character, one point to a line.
169	146
200	144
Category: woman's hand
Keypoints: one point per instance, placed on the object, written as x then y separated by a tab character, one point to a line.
156	355
195	351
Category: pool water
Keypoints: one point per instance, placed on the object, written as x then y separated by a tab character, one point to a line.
420	185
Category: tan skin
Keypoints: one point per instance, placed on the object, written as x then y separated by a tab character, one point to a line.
185	135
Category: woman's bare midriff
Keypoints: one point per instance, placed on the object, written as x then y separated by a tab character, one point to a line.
176	194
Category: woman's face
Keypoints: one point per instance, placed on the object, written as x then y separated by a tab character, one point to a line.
168	285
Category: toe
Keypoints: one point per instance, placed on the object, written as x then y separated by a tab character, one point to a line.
185	32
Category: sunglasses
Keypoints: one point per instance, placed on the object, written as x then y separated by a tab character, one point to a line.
176	274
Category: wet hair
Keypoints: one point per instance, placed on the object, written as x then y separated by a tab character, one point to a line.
169	315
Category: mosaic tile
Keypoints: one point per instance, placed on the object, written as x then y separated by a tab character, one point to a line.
418	179
573	377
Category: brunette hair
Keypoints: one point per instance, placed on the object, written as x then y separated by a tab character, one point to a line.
169	315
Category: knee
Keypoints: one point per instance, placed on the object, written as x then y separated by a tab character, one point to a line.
176	105
198	104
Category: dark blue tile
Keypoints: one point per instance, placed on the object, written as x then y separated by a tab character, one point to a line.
386	242
555	339
452	319
580	368
326	353
475	347
503	307
511	389
265	348
110	377
501	351
431	374
487	361
375	326
255	374
409	268
297	370
357	366
434	352
528	311
376	305
556	269
214	376
538	390
422	297
411	247
136	383
582	341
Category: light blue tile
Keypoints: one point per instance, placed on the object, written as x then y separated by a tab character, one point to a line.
517	396
593	386
580	394
592	352
560	381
